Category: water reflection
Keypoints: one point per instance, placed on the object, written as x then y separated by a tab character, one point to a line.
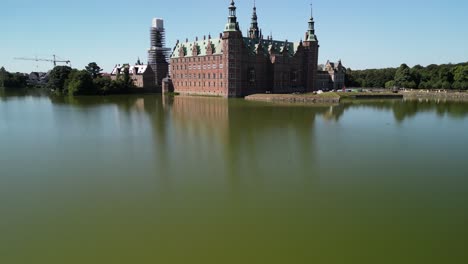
402	109
175	179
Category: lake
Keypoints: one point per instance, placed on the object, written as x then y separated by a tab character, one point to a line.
153	179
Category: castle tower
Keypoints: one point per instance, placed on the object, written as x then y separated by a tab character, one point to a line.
311	46
254	32
157	54
232	55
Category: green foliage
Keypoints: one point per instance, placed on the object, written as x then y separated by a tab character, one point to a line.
94	70
57	78
369	78
80	83
403	78
127	82
123	82
103	85
390	84
12	80
446	76
460	76
460	85
2	77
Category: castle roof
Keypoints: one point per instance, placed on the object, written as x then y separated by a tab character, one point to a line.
202	47
274	45
334	66
134	69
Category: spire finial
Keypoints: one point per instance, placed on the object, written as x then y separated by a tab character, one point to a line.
311	9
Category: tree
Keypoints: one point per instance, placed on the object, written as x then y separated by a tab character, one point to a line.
403	77
3	73
126	80
80	82
94	70
460	74
103	84
57	78
12	80
445	74
390	84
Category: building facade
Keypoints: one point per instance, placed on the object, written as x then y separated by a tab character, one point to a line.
331	76
142	75
233	65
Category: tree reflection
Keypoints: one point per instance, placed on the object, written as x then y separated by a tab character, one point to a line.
402	109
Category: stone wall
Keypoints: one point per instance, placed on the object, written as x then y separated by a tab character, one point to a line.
436	94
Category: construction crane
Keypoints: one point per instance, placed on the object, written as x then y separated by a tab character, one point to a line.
54	60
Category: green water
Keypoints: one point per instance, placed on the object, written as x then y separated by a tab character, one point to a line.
147	179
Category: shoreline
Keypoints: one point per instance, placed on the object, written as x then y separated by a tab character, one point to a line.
337	97
436	95
295	98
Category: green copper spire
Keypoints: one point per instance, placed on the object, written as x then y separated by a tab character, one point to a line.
232	24
311	31
254	31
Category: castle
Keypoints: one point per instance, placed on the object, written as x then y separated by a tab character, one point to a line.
234	65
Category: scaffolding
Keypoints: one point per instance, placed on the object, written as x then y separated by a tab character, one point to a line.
158	53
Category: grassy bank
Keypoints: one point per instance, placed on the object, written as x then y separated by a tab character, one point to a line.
370	95
293	98
331	97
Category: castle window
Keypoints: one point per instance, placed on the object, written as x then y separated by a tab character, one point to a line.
252	75
294	76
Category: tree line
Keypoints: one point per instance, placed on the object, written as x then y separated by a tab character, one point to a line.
445	76
12	80
65	80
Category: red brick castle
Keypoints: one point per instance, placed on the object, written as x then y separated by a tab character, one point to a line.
235	66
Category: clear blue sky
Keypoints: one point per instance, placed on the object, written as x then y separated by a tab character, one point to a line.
364	33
